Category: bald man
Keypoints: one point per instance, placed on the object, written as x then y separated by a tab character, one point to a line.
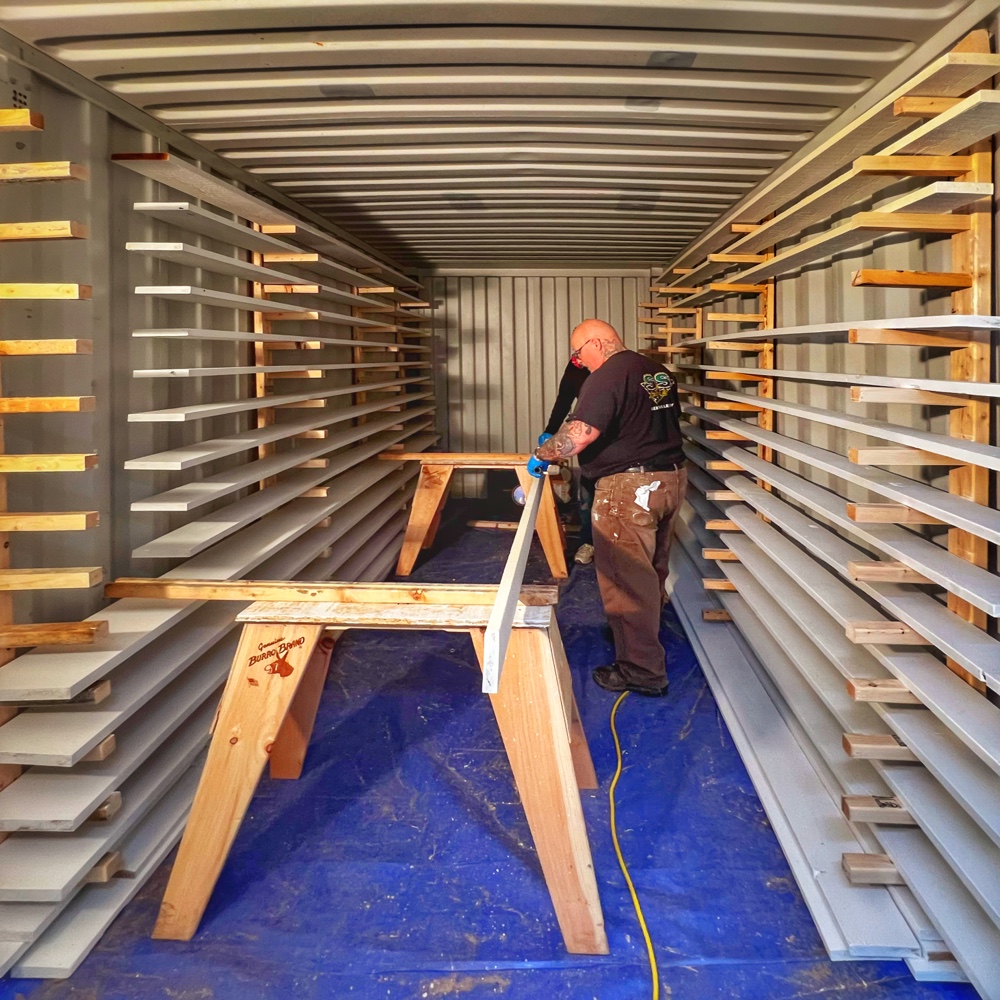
626	430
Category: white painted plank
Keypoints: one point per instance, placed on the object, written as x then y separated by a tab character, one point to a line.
200	534
229	300
384	564
937	198
973	857
282	527
194	333
200	452
967	779
82	923
820	738
806	819
803	617
950	386
952	74
974	584
972	517
968	645
60	800
497	634
974	118
257	370
985	455
365	565
374	511
50	867
926	970
970	937
51	736
963	710
65	671
204	411
217	263
802	678
211	489
958	324
195	219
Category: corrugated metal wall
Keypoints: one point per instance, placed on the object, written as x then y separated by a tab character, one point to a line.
502	343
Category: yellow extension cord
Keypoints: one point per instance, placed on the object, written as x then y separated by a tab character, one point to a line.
621	860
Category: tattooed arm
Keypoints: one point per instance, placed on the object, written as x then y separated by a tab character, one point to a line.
570	439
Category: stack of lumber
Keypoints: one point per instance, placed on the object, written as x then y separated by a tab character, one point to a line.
834	571
274	480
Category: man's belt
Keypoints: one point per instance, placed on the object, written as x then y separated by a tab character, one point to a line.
658	466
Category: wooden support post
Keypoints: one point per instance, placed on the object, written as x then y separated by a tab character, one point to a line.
895	455
906	338
877	746
887	692
105	869
885	633
876	809
102	751
884	572
715	615
531	717
267	670
888	513
873	277
871	869
972	254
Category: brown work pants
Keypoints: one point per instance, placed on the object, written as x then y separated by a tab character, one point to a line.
631	554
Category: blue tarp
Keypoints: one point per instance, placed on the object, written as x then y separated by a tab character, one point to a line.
401	866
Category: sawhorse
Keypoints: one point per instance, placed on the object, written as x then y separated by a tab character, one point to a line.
436	470
269	708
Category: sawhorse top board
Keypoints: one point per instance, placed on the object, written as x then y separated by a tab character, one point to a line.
436	470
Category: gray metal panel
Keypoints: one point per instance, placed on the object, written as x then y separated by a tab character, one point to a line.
502	343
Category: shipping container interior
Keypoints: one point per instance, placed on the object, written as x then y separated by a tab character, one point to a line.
260	263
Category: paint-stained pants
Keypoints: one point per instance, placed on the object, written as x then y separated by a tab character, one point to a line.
633	519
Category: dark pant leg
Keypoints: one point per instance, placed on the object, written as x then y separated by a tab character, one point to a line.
586	504
625	541
675	486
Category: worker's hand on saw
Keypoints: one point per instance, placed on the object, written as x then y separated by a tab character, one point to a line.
537	467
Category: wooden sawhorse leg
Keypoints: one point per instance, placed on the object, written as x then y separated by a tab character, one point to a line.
425	514
583	764
531	714
269	666
548	527
288	755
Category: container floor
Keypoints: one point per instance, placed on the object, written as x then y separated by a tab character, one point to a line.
401	865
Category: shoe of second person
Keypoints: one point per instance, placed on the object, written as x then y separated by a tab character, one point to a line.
584	555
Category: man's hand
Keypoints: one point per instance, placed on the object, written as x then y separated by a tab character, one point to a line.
537	467
570	439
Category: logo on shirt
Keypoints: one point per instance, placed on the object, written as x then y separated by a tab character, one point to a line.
657	386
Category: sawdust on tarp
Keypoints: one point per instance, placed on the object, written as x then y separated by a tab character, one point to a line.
454	985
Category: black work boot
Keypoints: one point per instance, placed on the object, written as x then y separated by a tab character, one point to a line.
612	679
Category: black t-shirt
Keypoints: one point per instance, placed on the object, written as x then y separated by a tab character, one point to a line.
633	402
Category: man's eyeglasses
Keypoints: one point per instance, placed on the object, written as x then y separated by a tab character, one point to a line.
574	356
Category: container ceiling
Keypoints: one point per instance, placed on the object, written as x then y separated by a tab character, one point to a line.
571	133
